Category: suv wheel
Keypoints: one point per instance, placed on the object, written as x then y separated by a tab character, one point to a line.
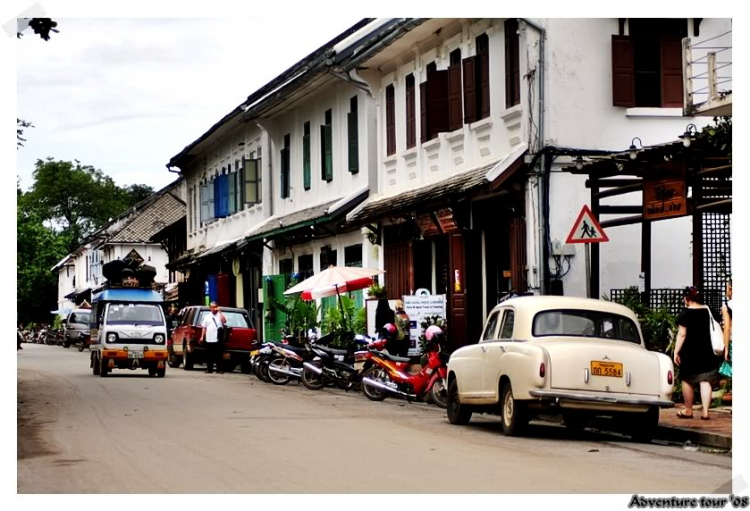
174	361
187	359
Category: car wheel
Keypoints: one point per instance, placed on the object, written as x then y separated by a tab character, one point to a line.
95	365
373	393
575	421
187	360
278	378
439	394
458	413
513	413
643	426
174	361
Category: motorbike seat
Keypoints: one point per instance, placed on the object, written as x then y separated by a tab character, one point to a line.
333	351
296	349
393	358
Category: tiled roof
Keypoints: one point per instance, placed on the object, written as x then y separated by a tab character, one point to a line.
164	211
292	219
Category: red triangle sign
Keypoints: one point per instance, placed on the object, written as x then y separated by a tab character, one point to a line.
586	229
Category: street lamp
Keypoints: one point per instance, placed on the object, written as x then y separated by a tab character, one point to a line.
690	132
633	149
579	163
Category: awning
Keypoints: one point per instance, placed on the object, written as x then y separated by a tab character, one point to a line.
75	294
321	214
187	259
493	174
219	247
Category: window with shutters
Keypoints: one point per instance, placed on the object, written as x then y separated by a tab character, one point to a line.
251	183
455	111
390	120
221	196
647	64
433	102
411	113
353	136
285	170
207	201
232	191
306	179
483	76
512	64
326	148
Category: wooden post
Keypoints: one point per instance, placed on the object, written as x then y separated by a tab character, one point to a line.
593	288
697	232
646	260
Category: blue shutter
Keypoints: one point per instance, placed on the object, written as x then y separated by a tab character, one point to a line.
213	293
221	196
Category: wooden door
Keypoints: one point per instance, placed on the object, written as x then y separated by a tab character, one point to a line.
399	272
457	320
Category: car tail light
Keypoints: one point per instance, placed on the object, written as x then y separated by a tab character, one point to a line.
541	370
669	377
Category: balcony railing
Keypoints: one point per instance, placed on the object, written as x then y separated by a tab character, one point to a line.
707	70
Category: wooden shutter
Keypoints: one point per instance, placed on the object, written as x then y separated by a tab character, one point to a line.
437	102
671	72
623	75
241	194
211	194
390	120
512	63
306	178
353	132
484	84
222	183
424	135
232	189
329	153
285	173
204	202
323	152
455	112
411	121
470	90
251	181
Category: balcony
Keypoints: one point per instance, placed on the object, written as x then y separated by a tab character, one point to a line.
707	70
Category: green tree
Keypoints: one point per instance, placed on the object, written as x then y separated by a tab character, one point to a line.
77	199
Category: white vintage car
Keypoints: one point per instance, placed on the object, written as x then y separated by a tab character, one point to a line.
561	355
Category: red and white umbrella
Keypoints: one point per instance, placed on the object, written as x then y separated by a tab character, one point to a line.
334	280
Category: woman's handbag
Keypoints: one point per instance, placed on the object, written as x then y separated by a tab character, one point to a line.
717	335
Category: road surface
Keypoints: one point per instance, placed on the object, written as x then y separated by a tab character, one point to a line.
193	432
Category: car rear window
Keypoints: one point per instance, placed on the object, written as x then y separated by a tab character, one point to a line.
585	323
234	319
79	318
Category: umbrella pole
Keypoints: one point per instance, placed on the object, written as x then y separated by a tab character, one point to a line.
341	306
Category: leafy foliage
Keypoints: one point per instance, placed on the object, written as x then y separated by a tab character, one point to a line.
41	27
343	330
20	126
376	291
301	315
719	135
659	326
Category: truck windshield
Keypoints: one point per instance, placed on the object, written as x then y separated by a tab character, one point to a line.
585	323
134	314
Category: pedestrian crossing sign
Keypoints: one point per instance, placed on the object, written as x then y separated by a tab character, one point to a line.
586	229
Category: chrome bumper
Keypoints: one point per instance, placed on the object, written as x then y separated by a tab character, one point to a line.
612	400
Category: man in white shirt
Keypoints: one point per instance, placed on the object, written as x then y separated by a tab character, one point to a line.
210	333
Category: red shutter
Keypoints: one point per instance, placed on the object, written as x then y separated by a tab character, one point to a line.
484	70
390	120
470	90
411	121
623	76
455	113
424	136
437	102
671	72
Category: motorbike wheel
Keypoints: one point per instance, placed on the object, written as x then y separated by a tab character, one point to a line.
439	393
278	378
374	393
263	370
312	380
81	346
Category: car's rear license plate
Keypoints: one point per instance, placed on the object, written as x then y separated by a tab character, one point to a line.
613	369
135	354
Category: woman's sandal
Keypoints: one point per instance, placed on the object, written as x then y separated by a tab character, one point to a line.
682	415
705	418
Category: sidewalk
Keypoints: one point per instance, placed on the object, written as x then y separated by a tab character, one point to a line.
716	432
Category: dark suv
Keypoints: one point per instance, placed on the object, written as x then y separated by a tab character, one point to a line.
239	340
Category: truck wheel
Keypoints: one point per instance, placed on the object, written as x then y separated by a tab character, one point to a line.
457	413
95	364
152	371
174	361
161	373
187	359
103	369
513	413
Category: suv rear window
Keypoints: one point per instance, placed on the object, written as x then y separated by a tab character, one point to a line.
234	319
585	323
79	318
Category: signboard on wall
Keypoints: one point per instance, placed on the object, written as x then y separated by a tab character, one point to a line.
666	198
418	308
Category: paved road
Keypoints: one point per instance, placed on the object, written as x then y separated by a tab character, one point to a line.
197	433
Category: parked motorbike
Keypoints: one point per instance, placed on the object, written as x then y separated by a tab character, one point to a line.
332	366
389	375
41	336
84	341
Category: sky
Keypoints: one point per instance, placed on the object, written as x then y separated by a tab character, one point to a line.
125	95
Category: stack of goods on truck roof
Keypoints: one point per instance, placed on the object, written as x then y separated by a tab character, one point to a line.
129	272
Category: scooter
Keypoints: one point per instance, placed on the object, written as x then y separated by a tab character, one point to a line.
84	341
390	375
332	366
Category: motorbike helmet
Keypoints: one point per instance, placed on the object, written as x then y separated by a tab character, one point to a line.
389	329
433	333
